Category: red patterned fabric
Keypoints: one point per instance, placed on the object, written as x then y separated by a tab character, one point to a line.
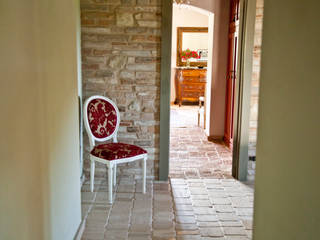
102	118
113	151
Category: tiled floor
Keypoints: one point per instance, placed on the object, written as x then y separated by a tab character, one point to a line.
201	201
191	154
212	209
133	215
200	209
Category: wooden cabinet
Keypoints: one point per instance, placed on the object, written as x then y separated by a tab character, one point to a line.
190	84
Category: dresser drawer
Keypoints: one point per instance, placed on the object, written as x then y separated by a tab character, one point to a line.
191	95
190	73
192	80
192	87
194	73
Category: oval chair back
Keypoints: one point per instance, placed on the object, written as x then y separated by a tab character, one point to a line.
101	119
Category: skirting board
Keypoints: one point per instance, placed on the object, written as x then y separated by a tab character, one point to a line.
80	231
215	138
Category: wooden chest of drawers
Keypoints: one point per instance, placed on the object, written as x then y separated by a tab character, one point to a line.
190	84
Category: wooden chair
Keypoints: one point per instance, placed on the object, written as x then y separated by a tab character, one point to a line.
101	120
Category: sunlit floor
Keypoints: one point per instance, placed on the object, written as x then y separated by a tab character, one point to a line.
192	208
191	154
200	201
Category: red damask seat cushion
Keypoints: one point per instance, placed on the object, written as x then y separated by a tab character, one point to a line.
113	151
102	118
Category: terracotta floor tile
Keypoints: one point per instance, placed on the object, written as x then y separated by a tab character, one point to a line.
200	201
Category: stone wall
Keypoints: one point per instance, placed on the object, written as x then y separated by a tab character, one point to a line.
121	60
255	79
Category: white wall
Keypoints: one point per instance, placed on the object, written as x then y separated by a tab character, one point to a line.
183	17
40	174
195	41
287	192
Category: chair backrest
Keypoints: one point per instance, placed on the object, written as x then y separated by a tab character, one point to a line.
101	119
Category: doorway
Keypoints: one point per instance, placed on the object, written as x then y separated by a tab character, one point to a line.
191	153
241	98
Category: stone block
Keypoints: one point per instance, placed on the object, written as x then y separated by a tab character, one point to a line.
211	232
125	19
149	23
117	62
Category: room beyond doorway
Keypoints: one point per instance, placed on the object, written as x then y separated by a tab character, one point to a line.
191	154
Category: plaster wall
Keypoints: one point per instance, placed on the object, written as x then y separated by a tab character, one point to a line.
58	78
220	9
21	204
287	193
40	178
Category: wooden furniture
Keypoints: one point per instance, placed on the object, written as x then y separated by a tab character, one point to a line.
196	31
190	84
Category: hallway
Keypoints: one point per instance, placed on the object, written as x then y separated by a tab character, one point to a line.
191	154
200	209
201	201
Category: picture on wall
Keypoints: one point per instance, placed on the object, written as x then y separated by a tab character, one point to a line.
203	54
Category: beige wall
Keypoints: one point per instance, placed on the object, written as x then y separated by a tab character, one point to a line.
39	147
287	193
21	196
183	17
220	9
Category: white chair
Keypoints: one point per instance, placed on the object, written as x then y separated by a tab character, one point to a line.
101	120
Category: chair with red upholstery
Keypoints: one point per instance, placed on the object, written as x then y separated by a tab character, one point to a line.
102	119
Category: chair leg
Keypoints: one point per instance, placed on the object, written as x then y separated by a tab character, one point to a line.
115	175
144	172
110	176
198	119
92	167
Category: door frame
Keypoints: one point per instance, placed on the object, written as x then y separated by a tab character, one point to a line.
240	156
242	92
165	88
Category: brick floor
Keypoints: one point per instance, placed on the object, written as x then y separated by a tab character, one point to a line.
201	201
182	209
191	154
212	208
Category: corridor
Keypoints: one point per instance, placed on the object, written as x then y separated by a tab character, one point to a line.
201	201
191	154
200	209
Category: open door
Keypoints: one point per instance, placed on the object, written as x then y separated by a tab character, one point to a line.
231	71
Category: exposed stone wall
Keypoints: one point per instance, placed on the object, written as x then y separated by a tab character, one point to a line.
255	79
121	60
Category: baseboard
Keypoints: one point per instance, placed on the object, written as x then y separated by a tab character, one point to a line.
80	231
82	179
83	222
227	142
215	138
